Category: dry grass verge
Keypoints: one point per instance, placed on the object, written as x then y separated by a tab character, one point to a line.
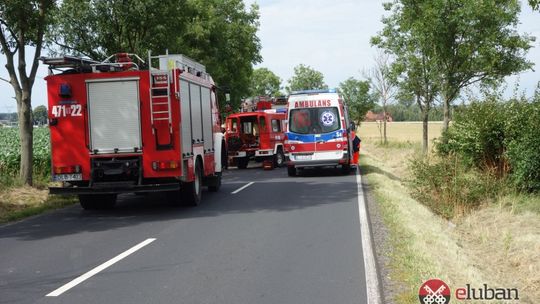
20	202
498	245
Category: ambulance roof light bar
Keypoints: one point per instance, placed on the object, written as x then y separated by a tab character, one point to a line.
307	92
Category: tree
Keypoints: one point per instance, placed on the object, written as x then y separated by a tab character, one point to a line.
221	34
535	4
414	68
40	115
23	23
384	84
306	78
265	82
356	94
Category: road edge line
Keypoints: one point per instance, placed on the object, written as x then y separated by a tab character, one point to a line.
98	269
370	266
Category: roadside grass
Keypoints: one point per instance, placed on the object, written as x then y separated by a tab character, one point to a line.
497	244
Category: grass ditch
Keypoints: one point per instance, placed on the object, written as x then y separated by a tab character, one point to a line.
497	243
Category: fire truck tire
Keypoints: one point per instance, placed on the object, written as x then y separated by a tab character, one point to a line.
214	183
191	193
291	171
279	158
346	169
242	162
97	201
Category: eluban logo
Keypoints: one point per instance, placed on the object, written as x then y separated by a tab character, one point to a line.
434	291
486	293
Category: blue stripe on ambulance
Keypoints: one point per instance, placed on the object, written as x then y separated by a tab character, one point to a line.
310	138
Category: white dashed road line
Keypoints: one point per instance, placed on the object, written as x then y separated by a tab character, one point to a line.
242	188
98	269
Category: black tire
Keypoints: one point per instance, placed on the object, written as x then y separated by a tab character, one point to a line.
242	162
279	158
291	171
346	169
191	193
214	183
97	201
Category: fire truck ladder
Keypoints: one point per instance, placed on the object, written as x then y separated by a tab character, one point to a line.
160	102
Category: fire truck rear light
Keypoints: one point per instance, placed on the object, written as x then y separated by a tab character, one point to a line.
65	90
67	169
165	165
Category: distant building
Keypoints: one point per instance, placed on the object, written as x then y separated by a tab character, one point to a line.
370	117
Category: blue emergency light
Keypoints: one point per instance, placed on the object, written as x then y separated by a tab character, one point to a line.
65	90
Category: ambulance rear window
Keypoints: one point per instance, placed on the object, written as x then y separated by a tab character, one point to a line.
314	120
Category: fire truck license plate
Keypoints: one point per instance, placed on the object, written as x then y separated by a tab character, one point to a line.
67	177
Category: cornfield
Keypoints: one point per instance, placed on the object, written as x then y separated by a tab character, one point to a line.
10	151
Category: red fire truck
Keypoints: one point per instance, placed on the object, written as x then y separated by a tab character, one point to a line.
118	128
258	135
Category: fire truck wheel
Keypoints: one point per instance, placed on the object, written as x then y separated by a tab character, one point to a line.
97	201
279	158
291	171
191	192
242	162
214	183
345	169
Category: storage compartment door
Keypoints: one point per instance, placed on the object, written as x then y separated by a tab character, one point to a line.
114	116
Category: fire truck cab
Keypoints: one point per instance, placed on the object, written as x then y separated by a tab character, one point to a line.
318	132
258	135
117	127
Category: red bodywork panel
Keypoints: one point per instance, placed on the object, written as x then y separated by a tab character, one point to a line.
70	132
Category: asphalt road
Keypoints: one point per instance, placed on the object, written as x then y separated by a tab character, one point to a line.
279	240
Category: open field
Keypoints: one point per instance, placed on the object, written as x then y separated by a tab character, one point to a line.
399	131
498	245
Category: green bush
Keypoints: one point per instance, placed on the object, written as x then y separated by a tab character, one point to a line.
450	187
498	136
523	144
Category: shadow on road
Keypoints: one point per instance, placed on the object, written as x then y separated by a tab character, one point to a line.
273	191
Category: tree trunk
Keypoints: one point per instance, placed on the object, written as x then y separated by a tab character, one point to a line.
384	127
24	110
425	116
446	112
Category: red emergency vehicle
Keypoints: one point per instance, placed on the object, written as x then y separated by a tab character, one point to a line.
118	127
257	135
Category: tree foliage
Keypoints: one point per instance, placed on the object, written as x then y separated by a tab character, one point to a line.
306	78
535	4
39	115
265	83
23	23
221	34
358	97
469	41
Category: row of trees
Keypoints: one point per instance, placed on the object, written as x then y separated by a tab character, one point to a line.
441	47
219	33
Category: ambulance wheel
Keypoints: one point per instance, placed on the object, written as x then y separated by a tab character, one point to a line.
191	192
345	169
279	158
214	183
97	201
242	162
291	171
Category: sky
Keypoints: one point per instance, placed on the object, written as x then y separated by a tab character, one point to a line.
329	36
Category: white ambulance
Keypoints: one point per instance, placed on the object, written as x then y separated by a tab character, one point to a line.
318	131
